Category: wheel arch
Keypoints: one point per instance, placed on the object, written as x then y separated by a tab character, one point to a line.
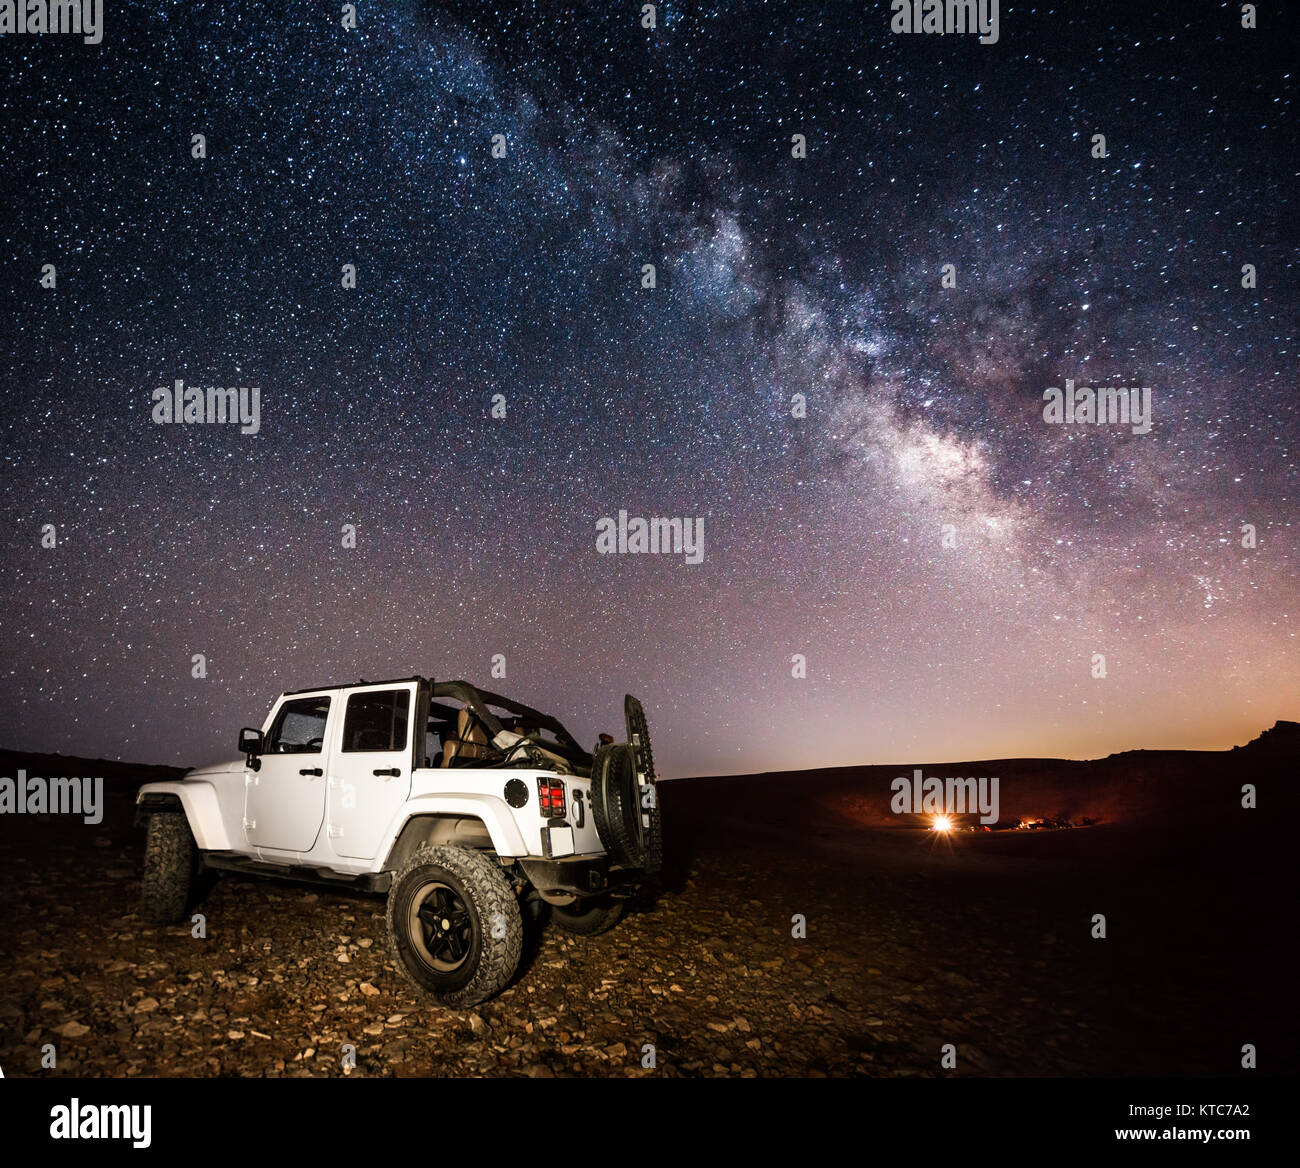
452	823
199	803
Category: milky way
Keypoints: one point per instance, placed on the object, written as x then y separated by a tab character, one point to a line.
950	565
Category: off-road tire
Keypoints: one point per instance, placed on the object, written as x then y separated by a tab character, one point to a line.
590	917
169	868
488	903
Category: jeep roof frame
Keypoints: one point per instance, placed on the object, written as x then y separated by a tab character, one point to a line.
478	700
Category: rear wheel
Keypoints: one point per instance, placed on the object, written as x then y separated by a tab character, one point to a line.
589	917
454	925
169	863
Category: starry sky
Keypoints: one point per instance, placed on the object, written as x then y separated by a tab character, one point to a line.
776	276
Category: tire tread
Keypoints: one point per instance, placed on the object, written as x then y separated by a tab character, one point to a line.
168	876
490	889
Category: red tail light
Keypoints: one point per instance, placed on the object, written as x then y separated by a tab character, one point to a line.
550	798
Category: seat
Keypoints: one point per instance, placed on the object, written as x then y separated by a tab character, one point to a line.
471	740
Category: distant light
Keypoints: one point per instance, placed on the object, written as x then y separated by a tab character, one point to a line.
942	823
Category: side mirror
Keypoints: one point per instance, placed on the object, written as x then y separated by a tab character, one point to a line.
250	742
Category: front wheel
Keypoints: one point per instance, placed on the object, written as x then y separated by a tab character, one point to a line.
589	917
454	925
169	867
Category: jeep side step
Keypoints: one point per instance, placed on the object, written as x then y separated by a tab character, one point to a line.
233	862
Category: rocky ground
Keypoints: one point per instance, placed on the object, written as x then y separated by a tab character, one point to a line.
912	943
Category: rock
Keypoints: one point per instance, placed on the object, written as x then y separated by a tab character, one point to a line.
973	1056
72	1030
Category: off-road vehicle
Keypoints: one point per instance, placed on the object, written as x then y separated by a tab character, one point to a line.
463	806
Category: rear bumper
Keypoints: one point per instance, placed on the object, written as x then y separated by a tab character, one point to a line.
578	875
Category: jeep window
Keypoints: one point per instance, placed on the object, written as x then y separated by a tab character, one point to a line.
376	721
299	727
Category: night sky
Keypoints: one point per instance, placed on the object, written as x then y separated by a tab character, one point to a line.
776	276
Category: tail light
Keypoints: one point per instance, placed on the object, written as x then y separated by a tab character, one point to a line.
550	798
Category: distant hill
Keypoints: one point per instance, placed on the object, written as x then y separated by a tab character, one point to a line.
1180	786
48	766
1281	740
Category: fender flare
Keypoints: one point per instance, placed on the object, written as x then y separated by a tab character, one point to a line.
492	812
202	810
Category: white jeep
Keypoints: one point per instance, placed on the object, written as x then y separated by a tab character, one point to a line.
460	804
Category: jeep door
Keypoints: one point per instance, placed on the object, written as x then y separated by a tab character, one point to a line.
284	800
370	765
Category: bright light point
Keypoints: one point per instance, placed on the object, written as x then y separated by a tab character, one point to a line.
942	823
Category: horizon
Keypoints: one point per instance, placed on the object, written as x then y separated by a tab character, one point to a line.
924	764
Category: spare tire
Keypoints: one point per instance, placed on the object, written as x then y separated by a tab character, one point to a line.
616	808
624	801
638	734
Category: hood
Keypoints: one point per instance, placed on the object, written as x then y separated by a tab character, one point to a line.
217	768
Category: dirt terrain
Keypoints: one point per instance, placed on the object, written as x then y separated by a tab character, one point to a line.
913	941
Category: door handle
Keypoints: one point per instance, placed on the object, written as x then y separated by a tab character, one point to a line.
311	771
390	773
